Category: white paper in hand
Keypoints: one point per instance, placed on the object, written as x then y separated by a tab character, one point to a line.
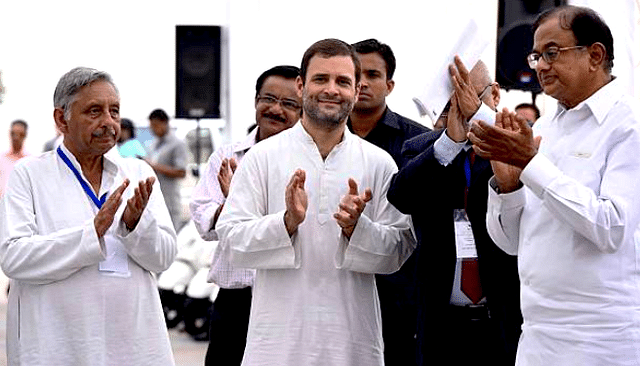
469	44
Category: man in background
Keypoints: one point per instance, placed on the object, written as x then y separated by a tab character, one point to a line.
468	294
17	134
529	112
167	155
372	120
278	107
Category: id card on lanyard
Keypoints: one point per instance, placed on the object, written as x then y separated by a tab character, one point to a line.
465	242
116	262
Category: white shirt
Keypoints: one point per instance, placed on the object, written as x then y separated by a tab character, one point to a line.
314	300
574	227
205	200
62	310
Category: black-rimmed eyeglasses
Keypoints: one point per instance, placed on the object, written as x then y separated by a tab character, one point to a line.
549	55
284	103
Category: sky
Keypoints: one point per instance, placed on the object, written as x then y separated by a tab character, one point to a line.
134	40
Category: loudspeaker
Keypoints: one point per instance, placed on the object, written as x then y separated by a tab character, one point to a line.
197	71
515	41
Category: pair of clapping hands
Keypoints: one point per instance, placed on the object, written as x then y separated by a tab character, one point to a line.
349	209
509	144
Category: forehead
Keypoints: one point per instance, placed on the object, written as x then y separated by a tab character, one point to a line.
372	61
99	91
18	127
550	33
278	85
336	66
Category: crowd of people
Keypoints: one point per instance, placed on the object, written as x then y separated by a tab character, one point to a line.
347	233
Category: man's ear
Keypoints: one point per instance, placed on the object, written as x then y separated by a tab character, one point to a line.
495	93
390	85
597	55
299	86
61	122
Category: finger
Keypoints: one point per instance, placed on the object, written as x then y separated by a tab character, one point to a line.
522	124
233	164
302	177
353	187
536	141
367	195
350	210
462	70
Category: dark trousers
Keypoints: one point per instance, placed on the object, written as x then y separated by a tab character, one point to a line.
228	329
459	336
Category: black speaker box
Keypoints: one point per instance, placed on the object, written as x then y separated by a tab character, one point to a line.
197	71
515	41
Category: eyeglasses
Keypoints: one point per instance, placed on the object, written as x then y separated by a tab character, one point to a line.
285	103
549	55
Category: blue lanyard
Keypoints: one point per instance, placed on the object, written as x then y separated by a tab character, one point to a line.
87	189
467	169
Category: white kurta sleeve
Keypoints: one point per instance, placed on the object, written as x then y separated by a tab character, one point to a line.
503	217
606	215
207	197
152	243
27	256
383	238
256	239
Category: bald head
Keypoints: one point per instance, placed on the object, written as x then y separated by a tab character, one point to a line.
479	76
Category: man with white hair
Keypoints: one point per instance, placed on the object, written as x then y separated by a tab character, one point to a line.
80	259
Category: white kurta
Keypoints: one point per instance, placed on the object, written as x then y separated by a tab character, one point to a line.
574	227
315	300
62	310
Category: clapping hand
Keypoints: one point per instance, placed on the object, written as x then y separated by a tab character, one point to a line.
351	206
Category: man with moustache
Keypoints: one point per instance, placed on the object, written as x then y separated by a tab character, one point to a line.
278	107
372	120
307	208
80	259
564	199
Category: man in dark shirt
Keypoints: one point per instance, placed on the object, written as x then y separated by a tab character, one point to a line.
372	120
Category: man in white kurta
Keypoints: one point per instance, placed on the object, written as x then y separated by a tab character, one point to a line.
572	213
315	299
80	296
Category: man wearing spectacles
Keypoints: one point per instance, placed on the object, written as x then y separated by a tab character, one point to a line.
566	201
372	120
278	107
468	295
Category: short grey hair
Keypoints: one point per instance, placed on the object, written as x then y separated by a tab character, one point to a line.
71	83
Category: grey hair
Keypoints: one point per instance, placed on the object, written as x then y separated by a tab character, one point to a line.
71	83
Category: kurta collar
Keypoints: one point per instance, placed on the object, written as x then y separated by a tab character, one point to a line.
247	142
600	102
109	166
299	130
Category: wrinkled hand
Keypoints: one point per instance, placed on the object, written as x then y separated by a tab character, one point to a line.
295	201
464	92
227	169
104	218
457	124
350	208
137	203
511	143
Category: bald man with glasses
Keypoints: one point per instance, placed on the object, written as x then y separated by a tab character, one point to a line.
468	290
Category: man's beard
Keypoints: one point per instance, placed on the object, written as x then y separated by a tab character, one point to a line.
330	120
